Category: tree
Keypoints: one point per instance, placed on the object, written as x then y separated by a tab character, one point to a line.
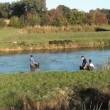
35	6
100	18
97	17
2	23
33	20
77	17
90	18
107	13
56	18
44	19
16	22
4	10
32	12
18	9
66	12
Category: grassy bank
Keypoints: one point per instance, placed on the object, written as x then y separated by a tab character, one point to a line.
18	40
48	88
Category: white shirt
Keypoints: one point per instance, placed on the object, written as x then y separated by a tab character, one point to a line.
32	61
92	65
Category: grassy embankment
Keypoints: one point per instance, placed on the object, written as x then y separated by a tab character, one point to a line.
50	90
17	40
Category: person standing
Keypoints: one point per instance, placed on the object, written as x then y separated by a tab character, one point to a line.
33	64
84	63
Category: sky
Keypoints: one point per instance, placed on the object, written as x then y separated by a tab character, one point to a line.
84	5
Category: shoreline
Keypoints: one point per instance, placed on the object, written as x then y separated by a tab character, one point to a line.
53	47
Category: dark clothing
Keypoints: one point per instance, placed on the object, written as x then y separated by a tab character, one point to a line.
32	67
84	62
81	68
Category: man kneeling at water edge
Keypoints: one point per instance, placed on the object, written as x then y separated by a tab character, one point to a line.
91	65
33	64
86	65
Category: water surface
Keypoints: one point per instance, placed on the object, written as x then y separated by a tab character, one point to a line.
59	61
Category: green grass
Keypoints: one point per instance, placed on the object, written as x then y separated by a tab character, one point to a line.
41	86
10	35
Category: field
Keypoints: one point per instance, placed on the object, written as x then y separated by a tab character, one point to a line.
53	90
16	38
40	87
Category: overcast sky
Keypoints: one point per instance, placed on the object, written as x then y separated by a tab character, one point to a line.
84	5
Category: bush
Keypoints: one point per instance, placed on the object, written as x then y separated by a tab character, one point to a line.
16	22
33	20
2	23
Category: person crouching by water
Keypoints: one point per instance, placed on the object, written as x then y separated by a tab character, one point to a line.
33	64
91	65
84	63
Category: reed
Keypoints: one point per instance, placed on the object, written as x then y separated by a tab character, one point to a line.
15	41
48	29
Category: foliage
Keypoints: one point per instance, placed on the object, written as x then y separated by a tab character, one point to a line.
33	20
36	6
107	13
4	10
2	23
17	9
77	17
65	11
16	22
43	86
97	17
56	18
60	16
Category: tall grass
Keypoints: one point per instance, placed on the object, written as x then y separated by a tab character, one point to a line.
48	29
76	28
14	38
54	87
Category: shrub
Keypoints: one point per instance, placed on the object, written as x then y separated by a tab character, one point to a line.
33	20
16	22
2	23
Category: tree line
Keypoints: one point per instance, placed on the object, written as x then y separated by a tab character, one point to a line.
34	12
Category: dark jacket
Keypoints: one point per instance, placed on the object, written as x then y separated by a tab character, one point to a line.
84	62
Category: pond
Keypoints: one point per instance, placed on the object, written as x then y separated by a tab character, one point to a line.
55	61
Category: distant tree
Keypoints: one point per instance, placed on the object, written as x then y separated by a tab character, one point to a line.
100	18
108	17
90	18
4	10
16	22
2	23
33	12
33	20
97	17
77	17
56	18
66	12
44	19
35	6
30	11
18	8
107	13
